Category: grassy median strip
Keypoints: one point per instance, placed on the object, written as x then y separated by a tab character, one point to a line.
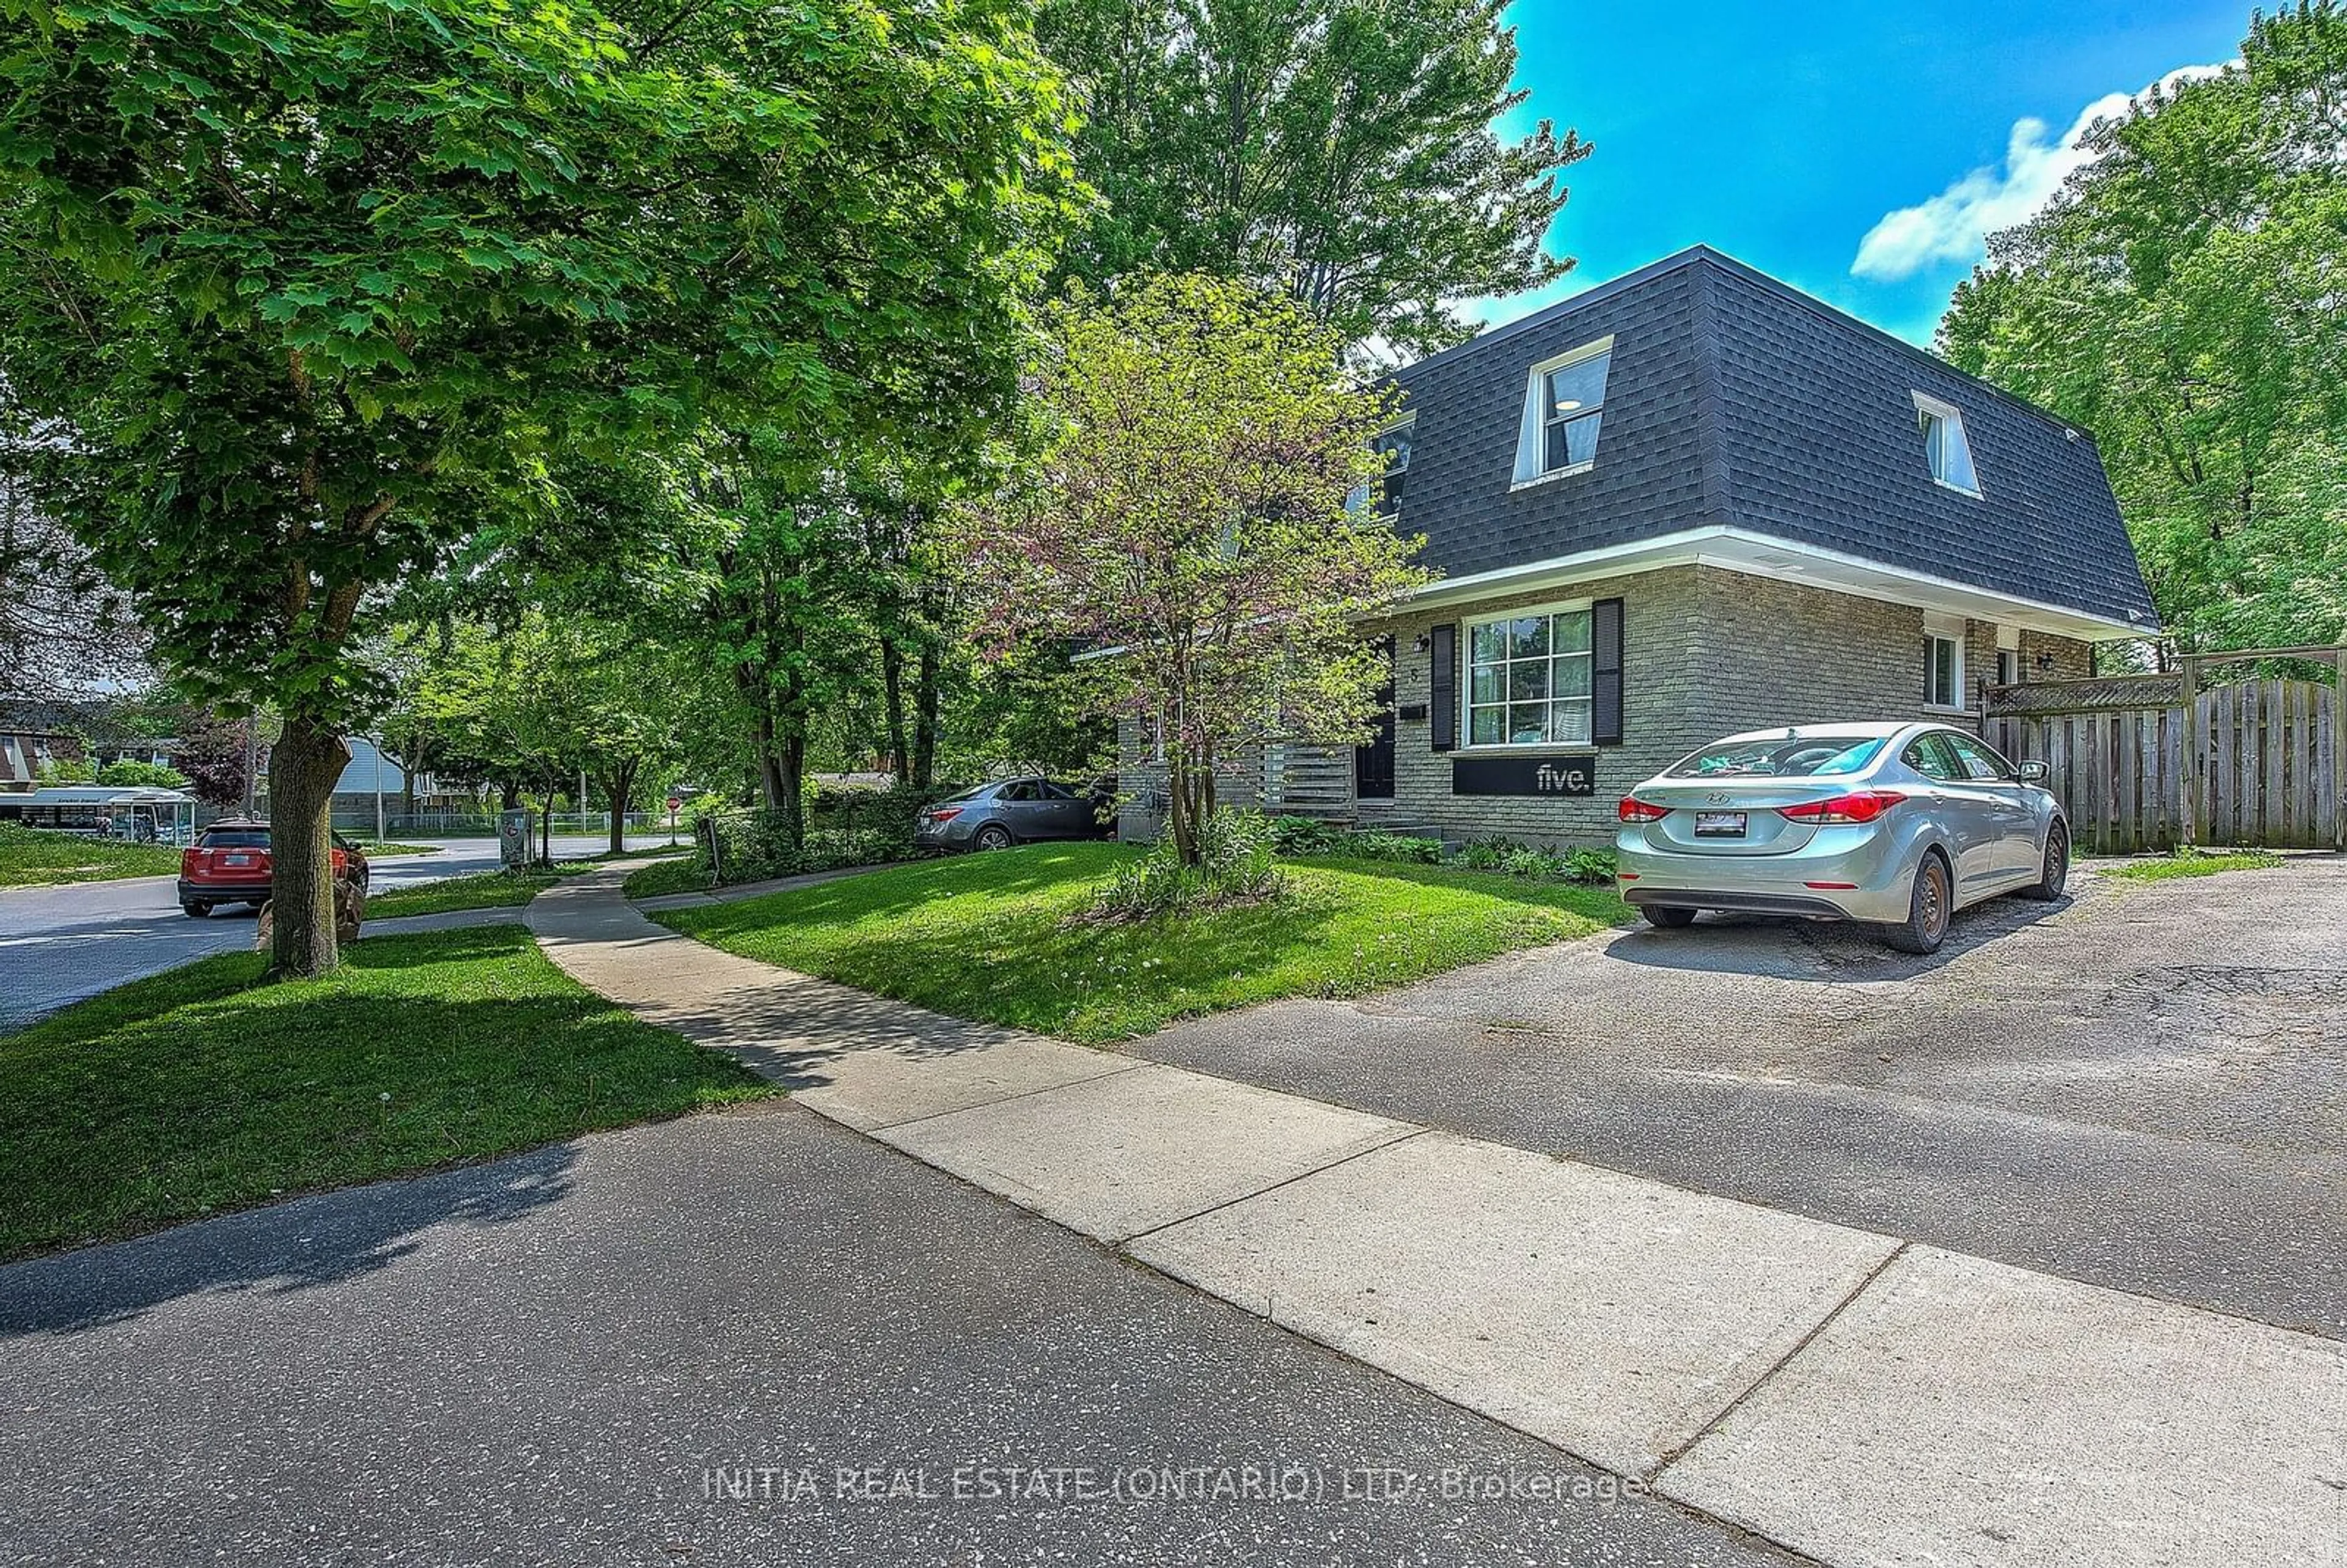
2190	862
991	936
34	858
202	1089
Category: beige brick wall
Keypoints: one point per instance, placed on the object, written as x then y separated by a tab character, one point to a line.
1661	685
2073	660
1141	780
1705	652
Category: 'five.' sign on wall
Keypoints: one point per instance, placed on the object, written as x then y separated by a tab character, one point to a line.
1523	775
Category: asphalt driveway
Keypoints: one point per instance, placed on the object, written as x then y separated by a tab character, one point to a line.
2144	1086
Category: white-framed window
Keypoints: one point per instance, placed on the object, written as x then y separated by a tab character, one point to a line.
1393	444
2008	655
1564	405
1528	678
1944	446
1943	663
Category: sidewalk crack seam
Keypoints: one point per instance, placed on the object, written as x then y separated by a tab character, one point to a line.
1654	1476
1129	1064
1377	1148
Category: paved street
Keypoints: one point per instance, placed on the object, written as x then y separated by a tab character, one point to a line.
567	1358
2144	1088
59	944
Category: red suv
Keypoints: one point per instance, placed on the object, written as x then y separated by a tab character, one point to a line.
229	864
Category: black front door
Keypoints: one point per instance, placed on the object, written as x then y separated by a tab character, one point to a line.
1373	764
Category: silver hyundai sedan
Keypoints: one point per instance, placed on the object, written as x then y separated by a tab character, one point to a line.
1897	825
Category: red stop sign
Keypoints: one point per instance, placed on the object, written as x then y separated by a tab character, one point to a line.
673	803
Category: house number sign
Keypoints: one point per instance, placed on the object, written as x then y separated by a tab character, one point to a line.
1523	775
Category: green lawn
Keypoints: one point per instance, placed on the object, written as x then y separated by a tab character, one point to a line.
673	874
988	936
2195	863
201	1088
481	890
31	857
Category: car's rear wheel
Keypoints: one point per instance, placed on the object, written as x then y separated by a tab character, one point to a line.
1669	917
1930	903
2056	870
194	910
993	837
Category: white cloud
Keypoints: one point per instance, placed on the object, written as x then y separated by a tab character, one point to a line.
1955	225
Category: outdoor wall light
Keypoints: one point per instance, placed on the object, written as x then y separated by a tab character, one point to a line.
1424	640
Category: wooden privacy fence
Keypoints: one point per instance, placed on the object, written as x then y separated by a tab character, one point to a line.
2150	761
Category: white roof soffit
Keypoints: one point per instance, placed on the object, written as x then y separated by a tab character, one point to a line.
1735	549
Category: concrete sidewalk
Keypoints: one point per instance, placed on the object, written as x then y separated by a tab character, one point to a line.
1847	1394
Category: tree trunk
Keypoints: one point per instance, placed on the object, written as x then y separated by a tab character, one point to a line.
407	778
892	689
924	718
1181	804
303	767
546	789
770	768
620	785
508	795
790	787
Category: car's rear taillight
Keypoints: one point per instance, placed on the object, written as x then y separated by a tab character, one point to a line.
945	814
1859	805
189	859
1633	809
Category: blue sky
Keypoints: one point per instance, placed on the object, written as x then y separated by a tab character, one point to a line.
1784	134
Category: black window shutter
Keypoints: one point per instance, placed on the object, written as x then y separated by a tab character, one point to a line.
1605	673
1443	691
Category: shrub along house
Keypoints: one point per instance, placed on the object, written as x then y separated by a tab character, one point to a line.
1688	502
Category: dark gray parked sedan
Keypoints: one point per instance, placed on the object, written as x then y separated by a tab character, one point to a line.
1012	811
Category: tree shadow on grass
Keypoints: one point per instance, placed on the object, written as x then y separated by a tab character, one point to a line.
487	939
200	1089
294	1245
1090	982
1005	873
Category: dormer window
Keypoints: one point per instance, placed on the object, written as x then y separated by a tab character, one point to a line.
1944	446
1565	404
1391	444
1394	448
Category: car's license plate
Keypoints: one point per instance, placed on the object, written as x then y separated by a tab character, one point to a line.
237	860
1719	824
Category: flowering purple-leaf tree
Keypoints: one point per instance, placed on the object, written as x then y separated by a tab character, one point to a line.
1185	519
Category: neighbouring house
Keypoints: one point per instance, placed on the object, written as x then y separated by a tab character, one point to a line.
22	750
1688	502
369	771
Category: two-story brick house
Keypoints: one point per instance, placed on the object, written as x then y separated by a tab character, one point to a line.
1688	502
